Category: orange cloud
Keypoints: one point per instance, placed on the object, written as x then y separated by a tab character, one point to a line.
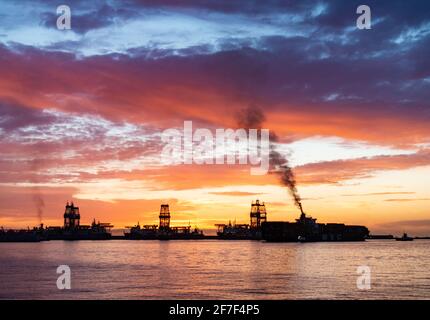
207	89
335	171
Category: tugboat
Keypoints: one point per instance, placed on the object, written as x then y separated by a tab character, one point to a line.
405	238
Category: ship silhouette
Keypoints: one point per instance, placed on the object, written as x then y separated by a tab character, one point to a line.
163	231
71	230
305	229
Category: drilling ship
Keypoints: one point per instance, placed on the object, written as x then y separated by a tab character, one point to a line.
163	231
73	230
252	231
23	235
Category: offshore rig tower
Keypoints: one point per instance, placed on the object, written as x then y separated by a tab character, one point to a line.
252	231
71	217
164	217
258	214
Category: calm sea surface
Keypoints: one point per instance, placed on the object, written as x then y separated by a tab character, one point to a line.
214	269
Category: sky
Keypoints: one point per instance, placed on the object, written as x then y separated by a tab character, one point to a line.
82	110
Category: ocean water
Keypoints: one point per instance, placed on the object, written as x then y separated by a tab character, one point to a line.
214	269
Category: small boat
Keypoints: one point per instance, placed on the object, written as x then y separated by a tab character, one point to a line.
405	238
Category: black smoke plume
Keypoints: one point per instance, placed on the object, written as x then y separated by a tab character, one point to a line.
250	118
38	201
253	118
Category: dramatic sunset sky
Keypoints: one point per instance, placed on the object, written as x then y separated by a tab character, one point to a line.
82	110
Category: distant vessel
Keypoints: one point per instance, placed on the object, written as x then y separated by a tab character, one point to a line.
405	238
306	229
163	231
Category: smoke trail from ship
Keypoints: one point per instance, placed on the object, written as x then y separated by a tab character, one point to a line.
39	203
253	117
279	164
37	194
250	118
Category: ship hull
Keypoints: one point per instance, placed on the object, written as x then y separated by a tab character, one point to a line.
297	232
74	236
248	235
162	236
19	237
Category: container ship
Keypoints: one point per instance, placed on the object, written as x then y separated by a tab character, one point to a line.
306	229
163	231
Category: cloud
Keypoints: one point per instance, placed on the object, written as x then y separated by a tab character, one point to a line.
335	171
93	18
377	194
47	145
236	193
416	227
15	116
87	105
210	88
244	7
407	199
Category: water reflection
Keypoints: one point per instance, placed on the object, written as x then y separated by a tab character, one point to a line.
211	269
